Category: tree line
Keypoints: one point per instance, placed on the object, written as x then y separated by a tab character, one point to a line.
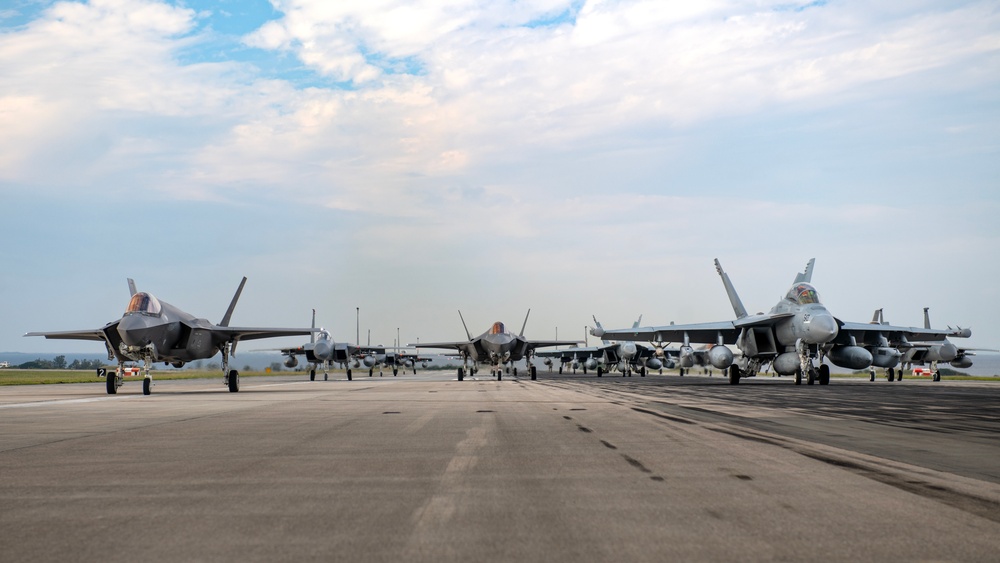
59	362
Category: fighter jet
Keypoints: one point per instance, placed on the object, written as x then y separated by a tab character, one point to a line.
796	331
624	357
155	331
920	353
496	346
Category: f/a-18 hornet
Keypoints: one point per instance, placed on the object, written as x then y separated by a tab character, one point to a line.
919	353
155	331
796	331
496	346
625	356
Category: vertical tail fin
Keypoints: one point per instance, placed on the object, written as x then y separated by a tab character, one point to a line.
312	335
525	323
131	287
636	323
232	305
463	325
927	318
807	275
734	299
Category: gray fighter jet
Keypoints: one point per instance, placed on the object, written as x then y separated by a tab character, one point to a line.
155	331
921	353
626	357
496	346
796	331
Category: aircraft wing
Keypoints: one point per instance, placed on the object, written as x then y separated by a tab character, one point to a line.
72	335
870	333
532	344
245	333
575	352
468	346
699	333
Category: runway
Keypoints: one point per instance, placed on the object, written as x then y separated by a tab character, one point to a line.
567	468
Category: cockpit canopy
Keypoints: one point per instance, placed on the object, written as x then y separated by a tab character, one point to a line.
498	328
803	293
143	303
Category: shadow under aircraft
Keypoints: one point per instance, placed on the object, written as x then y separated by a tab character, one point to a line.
155	331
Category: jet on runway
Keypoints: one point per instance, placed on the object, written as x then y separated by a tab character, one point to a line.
155	331
796	331
496	346
626	356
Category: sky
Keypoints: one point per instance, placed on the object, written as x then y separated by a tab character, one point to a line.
399	161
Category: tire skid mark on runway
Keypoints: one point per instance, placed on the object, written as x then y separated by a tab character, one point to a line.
432	522
977	505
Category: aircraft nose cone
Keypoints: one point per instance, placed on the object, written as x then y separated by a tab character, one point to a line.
322	350
132	330
822	329
948	352
628	349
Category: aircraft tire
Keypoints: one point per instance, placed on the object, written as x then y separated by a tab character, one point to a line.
499	374
681	372
112	383
937	376
234	381
734	374
872	376
899	376
461	374
812	376
515	372
560	370
371	371
798	376
824	374
600	371
147	386
326	377
395	371
312	375
348	374
534	373
642	372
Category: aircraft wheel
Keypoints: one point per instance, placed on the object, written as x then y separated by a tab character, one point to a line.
147	386
642	372
534	373
798	376
661	371
395	371
600	372
112	383
681	372
734	374
871	375
560	370
312	375
499	374
899	376
890	376
937	376
414	371
461	374
824	374
515	372
326	377
234	381
348	374
371	371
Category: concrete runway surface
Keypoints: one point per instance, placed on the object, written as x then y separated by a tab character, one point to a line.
426	468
